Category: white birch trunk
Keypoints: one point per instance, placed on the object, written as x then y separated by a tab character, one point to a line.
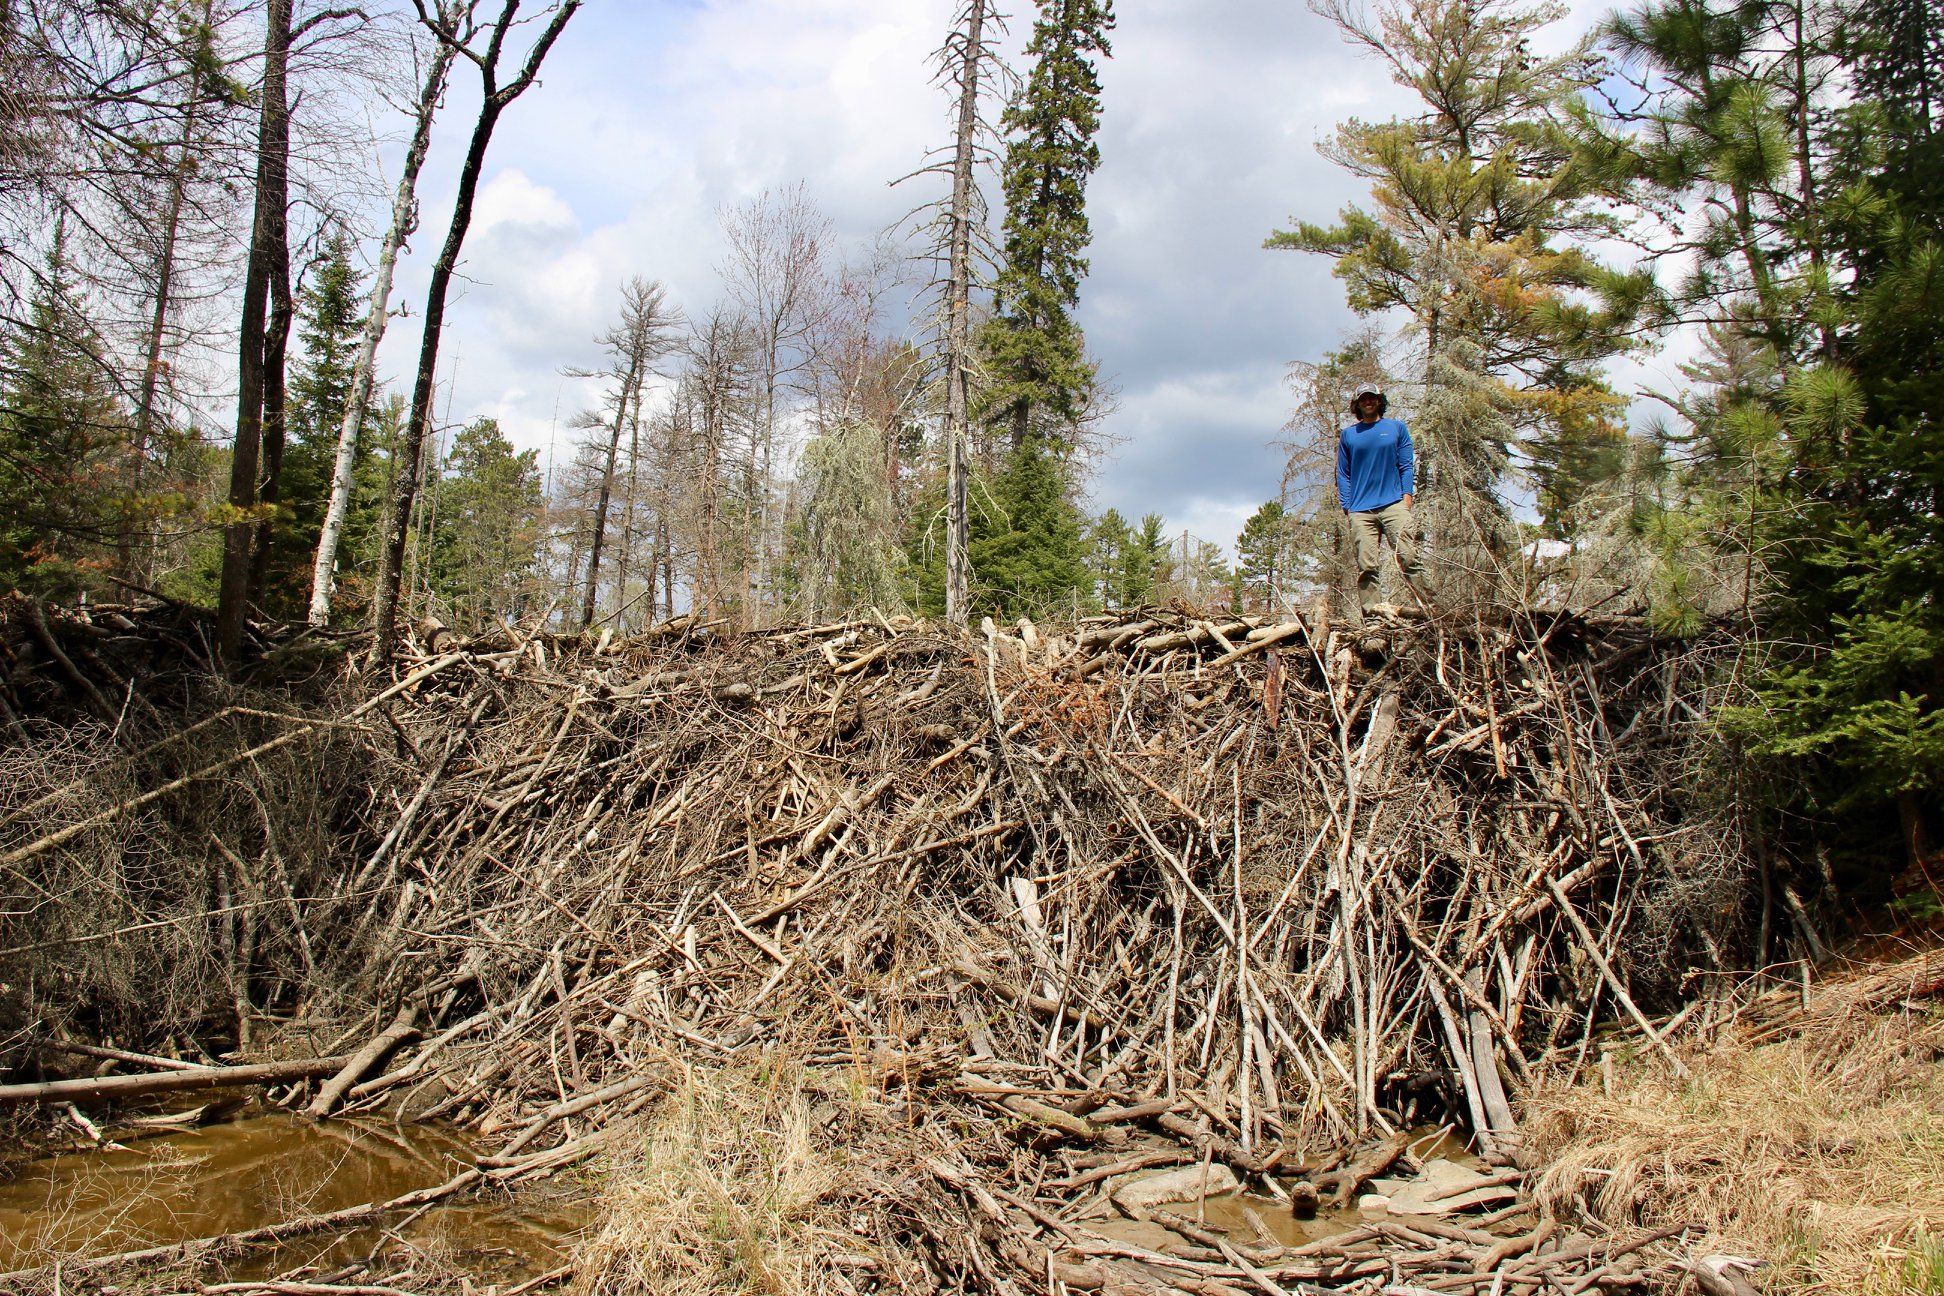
404	220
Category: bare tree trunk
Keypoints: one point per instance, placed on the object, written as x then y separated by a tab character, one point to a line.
958	327
404	220
606	496
706	593
628	516
246	456
165	267
494	102
665	547
276	346
636	341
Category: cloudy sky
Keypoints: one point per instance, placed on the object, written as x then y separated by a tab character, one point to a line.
655	115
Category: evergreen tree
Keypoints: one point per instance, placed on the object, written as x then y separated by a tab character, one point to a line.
486	535
1482	203
1725	122
1144	567
63	432
1108	542
1028	549
1855	525
1577	455
1896	48
1263	548
1034	353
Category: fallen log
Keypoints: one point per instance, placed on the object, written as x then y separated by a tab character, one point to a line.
122	1055
113	1088
402	1028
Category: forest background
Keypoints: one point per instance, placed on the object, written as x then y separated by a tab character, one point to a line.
1661	303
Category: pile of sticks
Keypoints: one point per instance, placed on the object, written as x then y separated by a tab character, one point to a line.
1156	887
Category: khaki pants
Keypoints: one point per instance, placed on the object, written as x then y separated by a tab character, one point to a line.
1368	531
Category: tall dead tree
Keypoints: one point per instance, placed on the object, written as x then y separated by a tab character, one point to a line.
640	338
715	394
493	102
198	52
458	15
965	55
775	274
276	348
266	235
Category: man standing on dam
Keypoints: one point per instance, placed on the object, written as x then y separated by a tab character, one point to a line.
1376	472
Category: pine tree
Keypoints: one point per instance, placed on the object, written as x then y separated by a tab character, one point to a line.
1710	154
1034	353
1263	549
1481	206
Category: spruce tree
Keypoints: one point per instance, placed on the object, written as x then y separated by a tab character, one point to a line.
1028	549
1854	527
1896	48
1144	564
1033	349
1108	540
485	548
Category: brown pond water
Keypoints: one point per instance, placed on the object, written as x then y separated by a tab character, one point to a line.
182	1184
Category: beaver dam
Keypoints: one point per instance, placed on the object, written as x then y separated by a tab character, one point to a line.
865	958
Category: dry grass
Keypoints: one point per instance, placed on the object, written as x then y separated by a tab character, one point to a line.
1815	1140
741	1181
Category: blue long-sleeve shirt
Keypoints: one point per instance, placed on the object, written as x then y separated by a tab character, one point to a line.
1375	466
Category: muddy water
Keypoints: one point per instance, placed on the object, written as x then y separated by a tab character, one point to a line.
1236	1215
190	1183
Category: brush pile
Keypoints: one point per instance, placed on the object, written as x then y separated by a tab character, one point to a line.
1156	890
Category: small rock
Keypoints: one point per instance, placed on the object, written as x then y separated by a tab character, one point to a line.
1303	1199
1189	1183
1374	1203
